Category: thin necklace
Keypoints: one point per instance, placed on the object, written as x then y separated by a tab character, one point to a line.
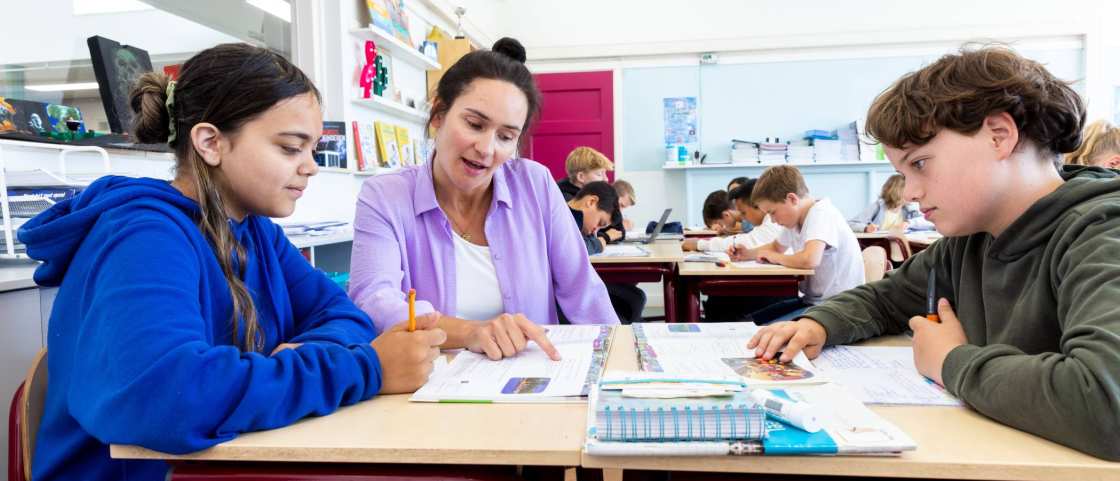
462	232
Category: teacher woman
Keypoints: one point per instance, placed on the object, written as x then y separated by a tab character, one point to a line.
484	236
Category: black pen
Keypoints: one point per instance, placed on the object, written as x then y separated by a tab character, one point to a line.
931	296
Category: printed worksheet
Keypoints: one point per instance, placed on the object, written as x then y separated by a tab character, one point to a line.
718	348
882	375
530	376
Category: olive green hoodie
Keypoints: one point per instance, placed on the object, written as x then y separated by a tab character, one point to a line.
1040	306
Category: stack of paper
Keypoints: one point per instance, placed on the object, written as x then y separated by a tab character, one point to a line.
622	250
882	375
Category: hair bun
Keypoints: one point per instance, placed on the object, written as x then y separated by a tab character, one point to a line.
511	48
150	120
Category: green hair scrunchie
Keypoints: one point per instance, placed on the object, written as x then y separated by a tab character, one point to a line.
170	105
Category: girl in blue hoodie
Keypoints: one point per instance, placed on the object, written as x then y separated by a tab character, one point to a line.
184	316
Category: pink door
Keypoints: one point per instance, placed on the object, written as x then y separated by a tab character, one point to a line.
577	110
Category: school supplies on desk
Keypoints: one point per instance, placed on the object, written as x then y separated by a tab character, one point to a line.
931	296
799	414
664	385
882	375
716	348
622	250
847	426
712	257
411	310
716	418
528	377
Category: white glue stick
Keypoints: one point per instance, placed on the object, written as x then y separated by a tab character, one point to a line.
795	413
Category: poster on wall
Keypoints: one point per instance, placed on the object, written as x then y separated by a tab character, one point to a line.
680	120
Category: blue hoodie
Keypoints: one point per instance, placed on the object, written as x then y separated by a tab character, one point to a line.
140	342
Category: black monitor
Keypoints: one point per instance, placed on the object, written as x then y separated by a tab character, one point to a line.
117	68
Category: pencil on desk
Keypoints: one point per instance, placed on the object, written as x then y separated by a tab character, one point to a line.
411	310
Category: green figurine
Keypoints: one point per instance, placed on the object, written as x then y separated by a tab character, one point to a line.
381	79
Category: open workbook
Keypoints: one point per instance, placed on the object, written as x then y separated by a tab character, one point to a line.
716	348
530	376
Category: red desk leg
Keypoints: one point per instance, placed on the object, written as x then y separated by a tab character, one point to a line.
692	299
669	286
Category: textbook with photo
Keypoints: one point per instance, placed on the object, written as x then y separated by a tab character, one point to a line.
528	377
717	348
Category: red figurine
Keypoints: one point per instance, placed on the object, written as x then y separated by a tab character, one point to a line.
369	70
375	75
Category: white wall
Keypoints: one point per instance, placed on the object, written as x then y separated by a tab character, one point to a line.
47	30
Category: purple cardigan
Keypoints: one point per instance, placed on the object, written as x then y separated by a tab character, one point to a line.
402	240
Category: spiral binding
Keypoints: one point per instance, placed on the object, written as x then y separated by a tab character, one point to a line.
687	423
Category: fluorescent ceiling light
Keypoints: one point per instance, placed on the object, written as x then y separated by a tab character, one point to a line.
278	8
62	87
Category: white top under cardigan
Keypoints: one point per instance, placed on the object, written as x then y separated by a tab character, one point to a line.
477	293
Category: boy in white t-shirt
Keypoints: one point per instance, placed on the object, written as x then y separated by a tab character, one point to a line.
817	233
760	230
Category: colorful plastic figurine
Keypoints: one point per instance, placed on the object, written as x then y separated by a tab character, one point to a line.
375	75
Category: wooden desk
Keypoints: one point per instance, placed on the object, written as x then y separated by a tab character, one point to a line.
953	443
659	266
390	429
919	241
706	277
700	234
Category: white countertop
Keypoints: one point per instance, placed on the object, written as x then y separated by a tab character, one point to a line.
16	274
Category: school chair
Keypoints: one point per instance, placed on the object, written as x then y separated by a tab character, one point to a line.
875	263
896	245
23	419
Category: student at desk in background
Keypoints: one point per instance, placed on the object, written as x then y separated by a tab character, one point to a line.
593	207
483	235
760	229
585	165
763	231
1029	271
736	183
626	200
816	232
890	212
184	316
720	216
1100	146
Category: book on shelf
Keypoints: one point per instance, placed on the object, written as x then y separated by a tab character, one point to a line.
389	15
365	146
387	144
331	149
405	146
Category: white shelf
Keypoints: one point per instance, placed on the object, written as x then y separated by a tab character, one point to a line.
338	236
381	104
337	170
377	171
748	166
395	47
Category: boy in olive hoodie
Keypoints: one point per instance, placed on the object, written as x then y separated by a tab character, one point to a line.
1028	275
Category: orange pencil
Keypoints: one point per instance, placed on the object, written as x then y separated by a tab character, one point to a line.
411	310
